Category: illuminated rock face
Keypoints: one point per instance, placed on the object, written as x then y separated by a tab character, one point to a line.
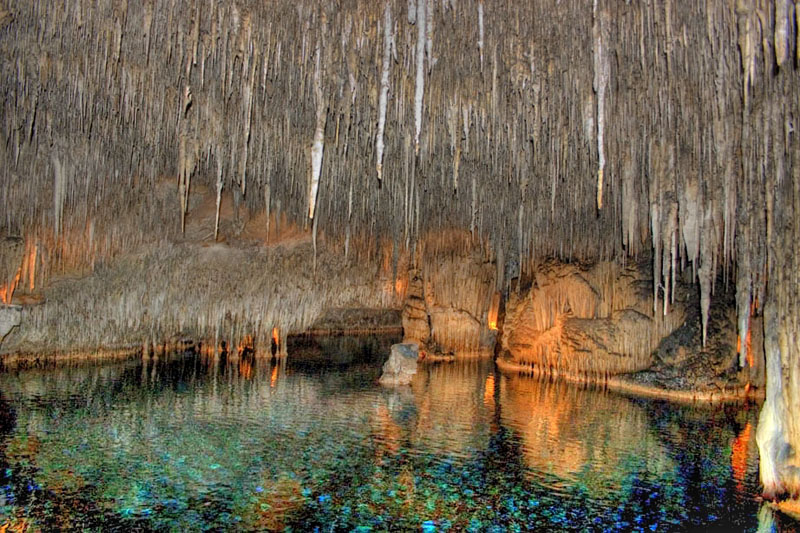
589	322
416	327
778	434
448	298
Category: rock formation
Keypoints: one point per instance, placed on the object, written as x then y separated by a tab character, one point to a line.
448	297
584	322
401	366
9	319
576	131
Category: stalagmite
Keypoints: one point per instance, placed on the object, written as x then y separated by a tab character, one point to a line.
419	86
384	96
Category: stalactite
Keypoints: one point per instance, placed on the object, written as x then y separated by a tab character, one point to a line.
219	194
412	12
480	31
318	144
419	85
744	13
384	96
797	29
781	38
429	34
59	193
194	87
601	79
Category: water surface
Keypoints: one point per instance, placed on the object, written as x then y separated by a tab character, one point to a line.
193	443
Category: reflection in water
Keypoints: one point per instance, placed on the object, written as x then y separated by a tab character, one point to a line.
195	442
452	418
566	430
739	454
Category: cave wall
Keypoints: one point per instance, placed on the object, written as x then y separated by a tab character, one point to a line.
547	129
450	288
585	322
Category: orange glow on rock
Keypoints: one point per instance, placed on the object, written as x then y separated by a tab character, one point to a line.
245	345
29	264
7	290
494	311
245	369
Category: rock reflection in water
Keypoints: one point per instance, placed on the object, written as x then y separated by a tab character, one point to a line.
566	430
452	416
194	442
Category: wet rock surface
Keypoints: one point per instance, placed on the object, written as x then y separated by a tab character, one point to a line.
401	366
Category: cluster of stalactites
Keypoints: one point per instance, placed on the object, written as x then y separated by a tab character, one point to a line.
607	136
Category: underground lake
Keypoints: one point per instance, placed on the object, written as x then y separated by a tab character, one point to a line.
191	442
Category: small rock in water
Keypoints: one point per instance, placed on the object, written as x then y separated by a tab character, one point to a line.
401	366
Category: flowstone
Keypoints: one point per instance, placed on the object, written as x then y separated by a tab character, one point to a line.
9	318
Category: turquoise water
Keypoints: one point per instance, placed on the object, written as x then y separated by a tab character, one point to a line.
187	443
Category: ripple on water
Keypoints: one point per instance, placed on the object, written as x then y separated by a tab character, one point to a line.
186	442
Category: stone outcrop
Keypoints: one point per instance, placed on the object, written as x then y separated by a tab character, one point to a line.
10	316
401	366
11	250
590	322
415	315
447	302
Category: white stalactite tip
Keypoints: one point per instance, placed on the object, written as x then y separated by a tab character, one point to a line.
318	144
480	31
384	95
420	79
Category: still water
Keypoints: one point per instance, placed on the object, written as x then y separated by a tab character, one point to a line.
190	443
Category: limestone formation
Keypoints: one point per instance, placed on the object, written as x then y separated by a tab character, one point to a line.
415	316
401	366
447	302
584	322
10	316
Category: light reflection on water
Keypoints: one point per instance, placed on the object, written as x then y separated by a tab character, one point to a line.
188	442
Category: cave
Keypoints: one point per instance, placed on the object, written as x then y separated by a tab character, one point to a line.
577	219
